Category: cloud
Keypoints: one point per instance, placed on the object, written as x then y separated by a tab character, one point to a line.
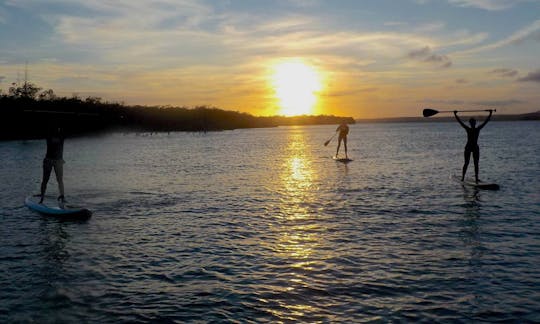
464	37
444	101
505	73
349	92
192	31
395	23
419	53
531	77
443	60
530	32
491	5
178	30
181	51
498	103
491	103
283	25
304	3
430	27
426	55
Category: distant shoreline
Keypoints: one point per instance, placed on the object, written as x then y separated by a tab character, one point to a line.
28	118
28	113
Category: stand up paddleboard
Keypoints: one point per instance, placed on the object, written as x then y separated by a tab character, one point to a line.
342	160
480	185
66	212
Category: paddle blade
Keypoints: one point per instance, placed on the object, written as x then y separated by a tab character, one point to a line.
326	143
429	112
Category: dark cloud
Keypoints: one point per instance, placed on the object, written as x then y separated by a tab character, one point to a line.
423	52
436	58
506	73
532	77
462	81
426	55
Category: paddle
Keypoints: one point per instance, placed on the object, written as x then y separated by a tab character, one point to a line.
326	143
430	112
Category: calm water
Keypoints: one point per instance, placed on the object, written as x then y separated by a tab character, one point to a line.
262	225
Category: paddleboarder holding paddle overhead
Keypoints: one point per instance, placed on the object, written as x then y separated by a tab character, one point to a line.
472	143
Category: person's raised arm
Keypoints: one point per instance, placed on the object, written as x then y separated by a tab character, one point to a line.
487	119
459	120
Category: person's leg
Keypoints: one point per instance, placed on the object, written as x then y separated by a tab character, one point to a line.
467	156
59	172
338	145
47	168
476	158
345	144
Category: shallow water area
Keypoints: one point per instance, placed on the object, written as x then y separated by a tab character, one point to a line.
262	225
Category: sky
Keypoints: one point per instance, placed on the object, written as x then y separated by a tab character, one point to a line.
359	58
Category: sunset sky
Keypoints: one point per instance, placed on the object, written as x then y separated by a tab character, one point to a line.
358	58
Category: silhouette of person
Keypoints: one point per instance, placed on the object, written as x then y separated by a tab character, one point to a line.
472	143
343	130
54	160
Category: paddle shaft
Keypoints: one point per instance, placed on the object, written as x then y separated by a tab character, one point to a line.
428	112
451	111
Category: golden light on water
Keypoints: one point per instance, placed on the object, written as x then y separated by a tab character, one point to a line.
298	233
297	177
298	238
296	85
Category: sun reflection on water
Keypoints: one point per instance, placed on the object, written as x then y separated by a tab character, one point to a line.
297	179
297	237
297	229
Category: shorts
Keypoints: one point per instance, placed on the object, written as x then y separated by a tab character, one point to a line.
50	163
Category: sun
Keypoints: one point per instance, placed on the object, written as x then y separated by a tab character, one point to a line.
296	85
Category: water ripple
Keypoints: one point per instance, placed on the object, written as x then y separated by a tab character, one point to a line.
281	234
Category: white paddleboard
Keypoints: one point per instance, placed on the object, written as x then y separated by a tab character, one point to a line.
342	160
67	211
480	185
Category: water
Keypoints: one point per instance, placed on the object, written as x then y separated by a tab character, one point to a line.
262	225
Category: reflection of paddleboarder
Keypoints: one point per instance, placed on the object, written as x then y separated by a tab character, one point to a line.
343	130
472	143
54	159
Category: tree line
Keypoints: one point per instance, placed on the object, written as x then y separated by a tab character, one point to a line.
28	111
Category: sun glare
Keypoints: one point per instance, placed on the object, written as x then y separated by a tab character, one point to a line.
296	85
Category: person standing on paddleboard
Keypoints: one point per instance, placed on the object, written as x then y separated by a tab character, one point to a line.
54	159
472	143
343	130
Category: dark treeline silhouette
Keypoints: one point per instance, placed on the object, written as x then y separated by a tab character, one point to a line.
27	112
